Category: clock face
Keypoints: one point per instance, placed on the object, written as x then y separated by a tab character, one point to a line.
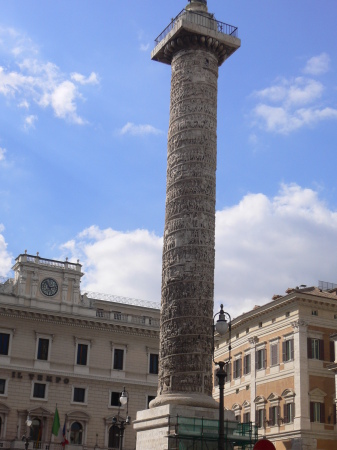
49	287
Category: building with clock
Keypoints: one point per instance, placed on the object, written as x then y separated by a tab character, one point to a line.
279	375
74	350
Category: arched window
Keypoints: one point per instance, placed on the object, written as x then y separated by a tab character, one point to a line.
36	430
76	432
113	437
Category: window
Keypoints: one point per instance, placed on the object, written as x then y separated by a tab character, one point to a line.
274	354
114	398
288	350
273	415
288	412
154	360
149	399
260	324
42	349
76	433
2	386
314	312
82	354
315	348
261	360
79	395
332	351
237	365
39	390
260	417
4	343
287	314
247	330
246	364
317	412
118	359
246	417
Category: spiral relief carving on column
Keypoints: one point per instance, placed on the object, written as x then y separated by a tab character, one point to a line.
188	254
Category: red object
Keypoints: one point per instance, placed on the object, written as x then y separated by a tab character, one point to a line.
264	444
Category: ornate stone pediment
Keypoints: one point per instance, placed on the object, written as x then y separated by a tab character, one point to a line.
236	407
4	409
273	397
79	415
260	399
40	411
288	393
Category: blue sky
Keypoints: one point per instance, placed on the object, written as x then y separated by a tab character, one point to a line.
83	126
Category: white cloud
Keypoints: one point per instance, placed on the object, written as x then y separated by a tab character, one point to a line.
30	121
263	246
121	263
34	81
291	104
318	65
139	130
5	257
81	79
144	47
2	156
23	104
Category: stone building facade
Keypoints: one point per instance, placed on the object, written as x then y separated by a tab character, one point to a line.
76	351
278	376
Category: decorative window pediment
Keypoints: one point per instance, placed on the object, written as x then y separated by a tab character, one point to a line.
260	399
236	407
4	409
246	404
317	395
288	393
79	415
274	397
40	412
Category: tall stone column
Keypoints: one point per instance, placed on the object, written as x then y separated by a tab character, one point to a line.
194	48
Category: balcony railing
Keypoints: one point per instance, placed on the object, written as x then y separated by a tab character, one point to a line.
199	19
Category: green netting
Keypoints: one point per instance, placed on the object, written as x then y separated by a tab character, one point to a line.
202	434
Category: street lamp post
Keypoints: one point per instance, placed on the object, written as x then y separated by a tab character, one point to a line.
221	326
119	422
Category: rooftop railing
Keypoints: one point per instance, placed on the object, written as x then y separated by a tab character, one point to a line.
200	19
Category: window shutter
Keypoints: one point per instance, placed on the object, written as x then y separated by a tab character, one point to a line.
240	367
264	358
312	411
285	413
321	349
245	365
234	369
257	416
334	414
292	349
271	419
294	412
309	348
322	413
284	351
274	351
332	351
256	360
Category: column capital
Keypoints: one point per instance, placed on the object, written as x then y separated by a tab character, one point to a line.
253	340
299	325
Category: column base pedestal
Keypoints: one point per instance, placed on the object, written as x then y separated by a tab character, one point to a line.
153	426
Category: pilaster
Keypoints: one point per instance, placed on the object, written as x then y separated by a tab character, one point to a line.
301	376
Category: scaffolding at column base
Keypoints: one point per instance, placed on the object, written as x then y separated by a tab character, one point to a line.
188	433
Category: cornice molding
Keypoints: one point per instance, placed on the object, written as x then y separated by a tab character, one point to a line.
78	322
